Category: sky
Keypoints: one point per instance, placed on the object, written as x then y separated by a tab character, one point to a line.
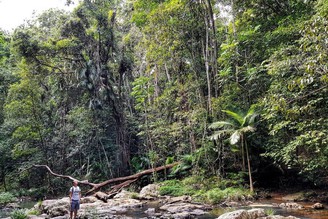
14	12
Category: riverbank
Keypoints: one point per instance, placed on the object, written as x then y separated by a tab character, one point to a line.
148	203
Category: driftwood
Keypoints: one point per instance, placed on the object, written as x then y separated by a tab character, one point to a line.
124	181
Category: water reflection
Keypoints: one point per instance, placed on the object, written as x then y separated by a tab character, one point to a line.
5	212
306	213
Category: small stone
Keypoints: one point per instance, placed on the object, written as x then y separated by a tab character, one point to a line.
12	205
150	211
317	206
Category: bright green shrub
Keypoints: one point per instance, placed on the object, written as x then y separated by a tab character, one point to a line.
6	197
18	214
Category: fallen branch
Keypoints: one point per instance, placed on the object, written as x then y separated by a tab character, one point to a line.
116	188
83	182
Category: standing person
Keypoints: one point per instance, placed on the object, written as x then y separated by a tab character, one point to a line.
75	198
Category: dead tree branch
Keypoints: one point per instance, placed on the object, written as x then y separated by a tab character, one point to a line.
127	180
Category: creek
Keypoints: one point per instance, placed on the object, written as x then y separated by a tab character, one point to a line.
5	212
306	213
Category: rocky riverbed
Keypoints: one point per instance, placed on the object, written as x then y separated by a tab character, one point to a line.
148	204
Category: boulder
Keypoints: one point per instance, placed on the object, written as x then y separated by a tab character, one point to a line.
181	215
60	217
180	207
47	205
239	214
256	213
278	217
37	217
88	199
183	210
184	198
149	192
125	194
58	210
101	196
291	205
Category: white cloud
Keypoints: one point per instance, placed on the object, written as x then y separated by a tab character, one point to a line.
14	12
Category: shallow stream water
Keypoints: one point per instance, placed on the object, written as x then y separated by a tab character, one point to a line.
306	213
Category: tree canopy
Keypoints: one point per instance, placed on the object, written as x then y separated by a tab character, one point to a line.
117	87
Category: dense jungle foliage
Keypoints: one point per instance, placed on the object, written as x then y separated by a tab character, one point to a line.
233	89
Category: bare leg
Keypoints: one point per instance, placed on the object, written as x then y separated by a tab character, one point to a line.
75	213
71	214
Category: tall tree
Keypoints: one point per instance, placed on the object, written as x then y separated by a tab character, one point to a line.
237	130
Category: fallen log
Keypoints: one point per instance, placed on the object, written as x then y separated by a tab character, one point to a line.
127	180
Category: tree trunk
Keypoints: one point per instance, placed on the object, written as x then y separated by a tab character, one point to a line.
214	45
207	68
251	188
243	153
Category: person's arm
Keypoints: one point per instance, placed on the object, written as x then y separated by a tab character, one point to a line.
70	195
80	196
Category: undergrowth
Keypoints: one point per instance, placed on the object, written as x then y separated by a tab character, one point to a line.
211	190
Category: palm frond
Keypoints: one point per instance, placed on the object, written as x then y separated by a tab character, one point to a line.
250	116
235	137
220	124
220	133
239	118
247	129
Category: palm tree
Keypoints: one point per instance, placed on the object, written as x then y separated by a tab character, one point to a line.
237	127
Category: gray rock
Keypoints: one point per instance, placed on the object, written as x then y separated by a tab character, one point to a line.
184	198
125	194
198	212
37	217
89	199
47	205
181	215
278	217
182	210
12	205
102	196
291	205
239	214
150	211
118	209
61	217
58	211
317	206
181	207
256	213
149	192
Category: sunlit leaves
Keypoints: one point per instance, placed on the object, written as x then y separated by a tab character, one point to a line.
295	103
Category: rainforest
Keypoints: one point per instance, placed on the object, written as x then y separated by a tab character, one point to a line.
234	93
